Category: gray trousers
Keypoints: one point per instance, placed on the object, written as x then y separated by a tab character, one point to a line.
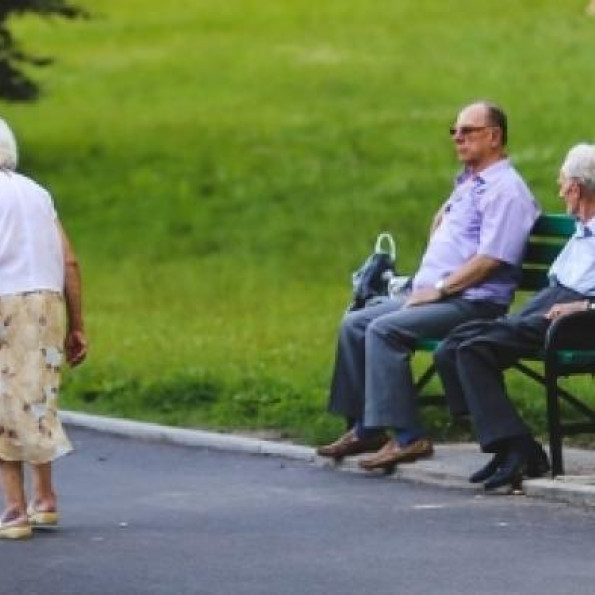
372	380
471	362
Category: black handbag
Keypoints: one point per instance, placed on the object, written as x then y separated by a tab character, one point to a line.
372	279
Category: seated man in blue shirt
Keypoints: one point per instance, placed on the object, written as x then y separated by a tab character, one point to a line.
473	357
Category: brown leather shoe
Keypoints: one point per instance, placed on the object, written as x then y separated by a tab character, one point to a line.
349	444
392	454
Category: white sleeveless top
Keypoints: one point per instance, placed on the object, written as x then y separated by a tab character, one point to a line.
31	256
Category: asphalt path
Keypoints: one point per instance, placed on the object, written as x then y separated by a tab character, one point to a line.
144	518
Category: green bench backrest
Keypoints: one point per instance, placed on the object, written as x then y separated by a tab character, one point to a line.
548	236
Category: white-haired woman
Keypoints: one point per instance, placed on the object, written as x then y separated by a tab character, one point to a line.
39	274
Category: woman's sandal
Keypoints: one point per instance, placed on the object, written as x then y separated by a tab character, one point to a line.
17	529
42	518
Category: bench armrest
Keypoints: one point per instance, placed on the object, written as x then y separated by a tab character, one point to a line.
574	332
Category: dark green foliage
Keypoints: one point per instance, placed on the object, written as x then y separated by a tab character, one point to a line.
15	84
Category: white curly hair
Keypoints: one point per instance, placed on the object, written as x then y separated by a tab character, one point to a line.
9	155
579	165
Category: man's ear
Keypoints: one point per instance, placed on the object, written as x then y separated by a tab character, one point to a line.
496	138
576	189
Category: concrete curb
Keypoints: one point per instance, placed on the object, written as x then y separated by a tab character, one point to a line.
450	466
157	433
576	493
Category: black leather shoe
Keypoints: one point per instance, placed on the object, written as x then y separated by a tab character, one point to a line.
538	464
510	472
488	469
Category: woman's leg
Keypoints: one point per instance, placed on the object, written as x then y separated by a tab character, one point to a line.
44	499
13	487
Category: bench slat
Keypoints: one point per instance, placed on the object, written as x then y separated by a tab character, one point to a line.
533	279
554	225
586	357
565	356
539	253
427	344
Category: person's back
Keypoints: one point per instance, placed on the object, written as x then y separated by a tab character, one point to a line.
27	219
39	284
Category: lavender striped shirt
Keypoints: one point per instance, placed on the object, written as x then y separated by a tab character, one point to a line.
491	214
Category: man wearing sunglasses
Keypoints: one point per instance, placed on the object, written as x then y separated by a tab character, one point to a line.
469	271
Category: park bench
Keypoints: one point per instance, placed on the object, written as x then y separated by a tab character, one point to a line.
569	347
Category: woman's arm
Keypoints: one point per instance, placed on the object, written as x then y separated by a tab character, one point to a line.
75	344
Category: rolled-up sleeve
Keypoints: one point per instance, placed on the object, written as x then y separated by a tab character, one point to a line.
507	218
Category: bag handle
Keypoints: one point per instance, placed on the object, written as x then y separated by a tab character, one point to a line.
386	237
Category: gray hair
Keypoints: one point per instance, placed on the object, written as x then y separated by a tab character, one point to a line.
579	165
9	155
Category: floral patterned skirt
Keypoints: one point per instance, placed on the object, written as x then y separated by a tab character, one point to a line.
32	327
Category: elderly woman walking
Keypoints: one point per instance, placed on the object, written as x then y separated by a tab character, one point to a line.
39	275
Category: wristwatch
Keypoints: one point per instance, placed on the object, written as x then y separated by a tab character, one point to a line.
440	287
590	306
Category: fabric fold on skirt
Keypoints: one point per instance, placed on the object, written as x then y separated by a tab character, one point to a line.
32	330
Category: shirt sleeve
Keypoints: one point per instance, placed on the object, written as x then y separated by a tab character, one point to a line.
507	218
50	206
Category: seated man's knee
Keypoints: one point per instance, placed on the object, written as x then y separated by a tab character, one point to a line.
470	347
353	323
377	328
468	334
385	329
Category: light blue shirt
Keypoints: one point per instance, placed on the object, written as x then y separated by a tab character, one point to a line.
575	266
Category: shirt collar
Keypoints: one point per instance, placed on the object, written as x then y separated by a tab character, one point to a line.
585	230
484	175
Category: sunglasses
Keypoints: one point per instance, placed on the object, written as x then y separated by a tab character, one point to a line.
465	130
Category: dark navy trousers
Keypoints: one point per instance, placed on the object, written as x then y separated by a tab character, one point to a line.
472	359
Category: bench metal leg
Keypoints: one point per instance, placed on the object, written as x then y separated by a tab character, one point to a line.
553	416
425	378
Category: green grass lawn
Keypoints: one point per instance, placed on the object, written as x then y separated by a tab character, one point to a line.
222	167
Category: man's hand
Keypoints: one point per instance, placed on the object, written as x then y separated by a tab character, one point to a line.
423	296
558	310
75	346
